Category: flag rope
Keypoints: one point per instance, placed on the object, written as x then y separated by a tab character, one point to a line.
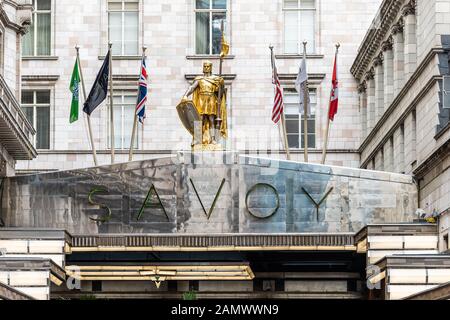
278	108
91	136
139	104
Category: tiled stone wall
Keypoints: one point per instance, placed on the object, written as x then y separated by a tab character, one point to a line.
168	31
444	233
435	188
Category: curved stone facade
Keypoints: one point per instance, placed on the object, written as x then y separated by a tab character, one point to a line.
209	193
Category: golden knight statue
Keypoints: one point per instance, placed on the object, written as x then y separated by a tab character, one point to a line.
205	116
209	99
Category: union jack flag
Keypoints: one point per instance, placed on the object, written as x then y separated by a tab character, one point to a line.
142	94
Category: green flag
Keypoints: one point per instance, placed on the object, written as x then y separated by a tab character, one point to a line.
74	88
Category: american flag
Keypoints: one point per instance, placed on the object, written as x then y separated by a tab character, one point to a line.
142	95
278	105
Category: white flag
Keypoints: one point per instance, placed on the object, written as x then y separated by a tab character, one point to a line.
301	85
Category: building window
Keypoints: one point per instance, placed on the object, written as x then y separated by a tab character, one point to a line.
299	25
124	111
36	106
294	120
123	22
37	41
446	92
209	15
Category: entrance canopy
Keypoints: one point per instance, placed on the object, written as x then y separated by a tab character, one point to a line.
208	193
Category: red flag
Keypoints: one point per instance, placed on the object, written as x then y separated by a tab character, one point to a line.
334	98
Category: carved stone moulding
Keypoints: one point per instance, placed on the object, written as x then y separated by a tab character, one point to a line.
370	74
362	87
387	45
409	9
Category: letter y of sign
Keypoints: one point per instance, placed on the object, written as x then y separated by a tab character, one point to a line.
208	214
317	204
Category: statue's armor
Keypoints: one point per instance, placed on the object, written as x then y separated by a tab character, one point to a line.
205	98
208	88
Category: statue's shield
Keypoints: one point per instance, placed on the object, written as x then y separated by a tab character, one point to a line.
188	115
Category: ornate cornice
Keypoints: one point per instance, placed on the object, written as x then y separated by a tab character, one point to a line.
206	242
388	113
362	87
370	74
380	29
409	9
23	18
377	61
17	129
40	78
387	45
397	28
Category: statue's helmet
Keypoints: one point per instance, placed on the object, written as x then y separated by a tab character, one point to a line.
207	67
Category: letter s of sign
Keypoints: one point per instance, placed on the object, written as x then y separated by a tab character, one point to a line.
107	217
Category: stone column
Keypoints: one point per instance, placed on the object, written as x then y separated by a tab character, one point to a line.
410	39
388	154
370	100
7	164
379	160
399	149
409	139
379	88
362	89
399	57
388	64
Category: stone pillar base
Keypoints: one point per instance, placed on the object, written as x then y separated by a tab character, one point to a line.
207	147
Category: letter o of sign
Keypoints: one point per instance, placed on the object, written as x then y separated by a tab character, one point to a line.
269	213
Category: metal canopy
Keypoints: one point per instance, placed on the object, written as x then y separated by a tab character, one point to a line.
162	272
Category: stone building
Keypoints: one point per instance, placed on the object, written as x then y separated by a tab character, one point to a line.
15	130
177	35
403	72
237	224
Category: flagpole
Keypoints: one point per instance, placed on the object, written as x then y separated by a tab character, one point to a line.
133	133
327	129
283	122
91	139
111	105
305	110
283	118
219	100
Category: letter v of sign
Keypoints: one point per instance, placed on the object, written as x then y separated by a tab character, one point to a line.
317	204
208	214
